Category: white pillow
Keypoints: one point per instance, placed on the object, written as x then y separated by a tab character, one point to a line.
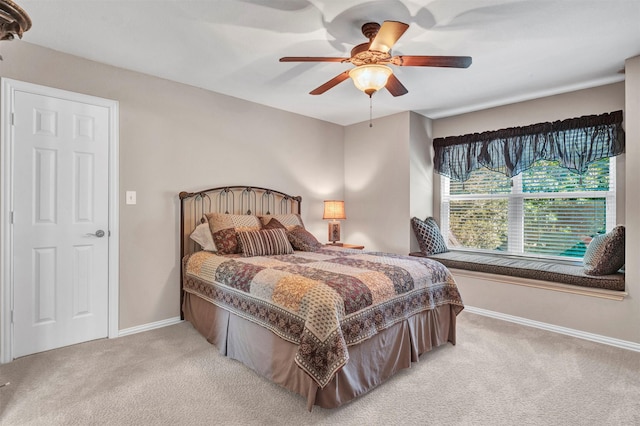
202	235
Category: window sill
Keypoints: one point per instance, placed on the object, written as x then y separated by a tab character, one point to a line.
558	276
546	285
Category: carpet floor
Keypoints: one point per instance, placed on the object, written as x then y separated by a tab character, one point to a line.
499	373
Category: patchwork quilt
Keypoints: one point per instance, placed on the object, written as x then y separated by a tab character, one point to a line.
323	301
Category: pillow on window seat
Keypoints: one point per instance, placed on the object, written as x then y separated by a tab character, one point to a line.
429	237
605	253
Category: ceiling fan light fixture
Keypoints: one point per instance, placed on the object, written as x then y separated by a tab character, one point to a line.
370	78
13	20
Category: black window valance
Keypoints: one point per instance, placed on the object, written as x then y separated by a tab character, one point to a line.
574	143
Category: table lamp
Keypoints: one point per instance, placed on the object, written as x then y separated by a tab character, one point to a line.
334	211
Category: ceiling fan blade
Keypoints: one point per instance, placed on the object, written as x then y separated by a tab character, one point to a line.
432	61
329	84
310	59
389	33
395	87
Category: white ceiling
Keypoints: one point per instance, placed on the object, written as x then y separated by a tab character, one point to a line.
521	49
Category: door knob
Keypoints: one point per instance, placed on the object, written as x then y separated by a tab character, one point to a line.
99	233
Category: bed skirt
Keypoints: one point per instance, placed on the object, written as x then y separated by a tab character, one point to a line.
371	362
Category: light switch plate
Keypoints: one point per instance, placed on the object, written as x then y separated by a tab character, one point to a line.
131	197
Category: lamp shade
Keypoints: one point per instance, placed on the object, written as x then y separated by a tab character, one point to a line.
370	78
334	209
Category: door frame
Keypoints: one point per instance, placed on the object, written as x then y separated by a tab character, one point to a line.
9	88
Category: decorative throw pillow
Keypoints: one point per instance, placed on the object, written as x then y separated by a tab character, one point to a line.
202	235
303	240
273	224
225	226
605	253
226	241
429	237
287	220
265	242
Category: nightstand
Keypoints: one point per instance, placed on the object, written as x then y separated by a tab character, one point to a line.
349	246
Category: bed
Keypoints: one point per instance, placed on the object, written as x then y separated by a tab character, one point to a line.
326	322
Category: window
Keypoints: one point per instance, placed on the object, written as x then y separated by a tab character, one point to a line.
546	210
540	190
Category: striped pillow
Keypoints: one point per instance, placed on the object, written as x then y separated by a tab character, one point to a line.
264	243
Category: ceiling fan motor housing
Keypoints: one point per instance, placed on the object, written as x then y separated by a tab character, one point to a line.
361	55
370	30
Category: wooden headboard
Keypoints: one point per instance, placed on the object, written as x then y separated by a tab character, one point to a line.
231	200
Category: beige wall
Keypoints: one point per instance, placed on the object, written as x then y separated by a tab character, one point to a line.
609	318
388	179
421	172
631	315
175	137
568	105
376	183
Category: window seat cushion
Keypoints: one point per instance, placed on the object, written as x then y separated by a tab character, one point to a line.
538	269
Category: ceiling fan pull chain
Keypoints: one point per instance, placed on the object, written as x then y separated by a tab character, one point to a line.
370	111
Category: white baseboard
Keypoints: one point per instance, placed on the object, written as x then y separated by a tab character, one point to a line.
624	344
149	326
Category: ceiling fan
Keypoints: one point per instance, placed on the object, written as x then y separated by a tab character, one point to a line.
371	72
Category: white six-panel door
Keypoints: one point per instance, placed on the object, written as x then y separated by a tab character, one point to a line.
60	222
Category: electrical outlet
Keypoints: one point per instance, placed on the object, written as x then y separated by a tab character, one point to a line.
131	197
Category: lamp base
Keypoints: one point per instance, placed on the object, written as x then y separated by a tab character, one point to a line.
334	231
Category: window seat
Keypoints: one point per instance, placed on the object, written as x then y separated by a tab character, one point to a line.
537	269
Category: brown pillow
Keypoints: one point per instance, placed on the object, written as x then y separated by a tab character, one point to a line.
303	240
273	224
288	220
605	253
226	241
